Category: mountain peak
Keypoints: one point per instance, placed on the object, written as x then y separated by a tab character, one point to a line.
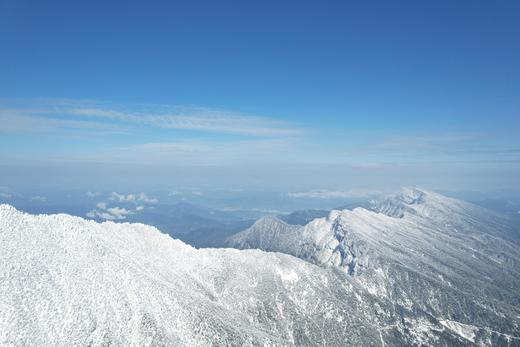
414	201
413	195
415	247
266	228
269	219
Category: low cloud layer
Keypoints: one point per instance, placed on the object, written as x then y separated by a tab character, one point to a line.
103	211
132	204
132	198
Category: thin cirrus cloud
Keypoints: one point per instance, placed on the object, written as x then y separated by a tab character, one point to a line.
258	138
335	194
51	115
5	195
197	119
435	148
202	152
38	122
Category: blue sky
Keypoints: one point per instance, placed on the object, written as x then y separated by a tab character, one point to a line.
311	94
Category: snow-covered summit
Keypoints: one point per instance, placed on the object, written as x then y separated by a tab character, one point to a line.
396	205
413	200
414	217
414	247
265	230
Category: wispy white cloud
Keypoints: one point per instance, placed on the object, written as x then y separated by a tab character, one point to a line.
114	214
432	148
93	194
402	145
50	115
103	211
335	194
132	198
39	198
38	122
201	152
195	118
132	204
5	195
427	144
122	197
119	212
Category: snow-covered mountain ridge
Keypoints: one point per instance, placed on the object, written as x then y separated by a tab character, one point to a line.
417	248
69	281
414	218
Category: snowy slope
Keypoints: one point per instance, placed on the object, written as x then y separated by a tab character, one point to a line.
66	281
417	249
410	222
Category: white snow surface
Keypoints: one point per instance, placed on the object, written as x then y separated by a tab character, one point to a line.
419	250
393	273
464	330
414	226
66	281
